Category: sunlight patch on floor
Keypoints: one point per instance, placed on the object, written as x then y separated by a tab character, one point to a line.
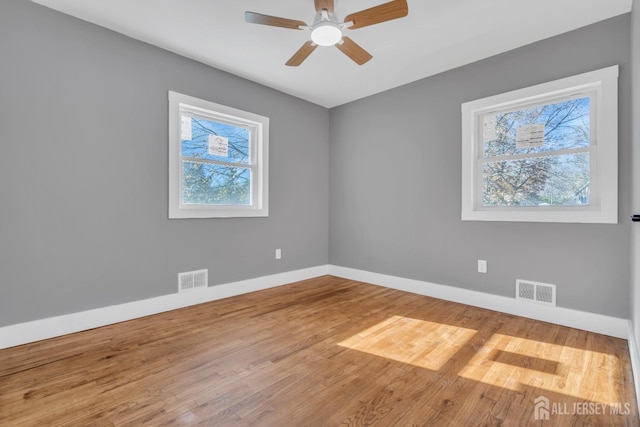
513	362
418	342
505	361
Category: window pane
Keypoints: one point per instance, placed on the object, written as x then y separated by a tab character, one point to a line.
542	181
210	184
538	129
211	140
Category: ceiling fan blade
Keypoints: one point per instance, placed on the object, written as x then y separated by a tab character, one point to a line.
354	51
324	4
377	14
274	21
302	54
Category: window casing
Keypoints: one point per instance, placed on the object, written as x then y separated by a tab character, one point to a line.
218	160
546	153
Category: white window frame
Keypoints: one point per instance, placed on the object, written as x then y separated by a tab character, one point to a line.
602	86
259	147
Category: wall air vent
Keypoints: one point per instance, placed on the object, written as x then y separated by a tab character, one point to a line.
193	280
542	293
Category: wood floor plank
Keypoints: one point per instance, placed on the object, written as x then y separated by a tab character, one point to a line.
322	352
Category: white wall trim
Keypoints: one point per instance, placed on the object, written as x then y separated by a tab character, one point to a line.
634	354
607	325
36	330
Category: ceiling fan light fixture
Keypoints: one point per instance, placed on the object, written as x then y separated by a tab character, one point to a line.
326	29
326	34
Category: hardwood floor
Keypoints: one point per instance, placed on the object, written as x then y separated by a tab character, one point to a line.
323	352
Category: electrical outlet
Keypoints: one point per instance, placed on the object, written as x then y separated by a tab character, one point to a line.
278	253
482	266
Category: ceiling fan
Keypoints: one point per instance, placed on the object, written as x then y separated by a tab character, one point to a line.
326	29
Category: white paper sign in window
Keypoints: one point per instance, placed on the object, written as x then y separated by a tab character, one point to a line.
489	127
218	146
530	136
185	128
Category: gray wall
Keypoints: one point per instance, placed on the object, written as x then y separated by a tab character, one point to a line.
83	171
395	183
83	167
635	187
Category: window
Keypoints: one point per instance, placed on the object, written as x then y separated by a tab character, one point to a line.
218	160
547	153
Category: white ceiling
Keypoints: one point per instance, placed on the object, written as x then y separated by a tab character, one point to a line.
436	36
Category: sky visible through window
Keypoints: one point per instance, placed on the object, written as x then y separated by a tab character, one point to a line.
215	162
537	156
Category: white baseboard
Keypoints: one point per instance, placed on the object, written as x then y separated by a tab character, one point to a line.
607	325
634	354
37	330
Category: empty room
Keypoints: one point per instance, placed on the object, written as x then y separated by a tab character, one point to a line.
319	213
